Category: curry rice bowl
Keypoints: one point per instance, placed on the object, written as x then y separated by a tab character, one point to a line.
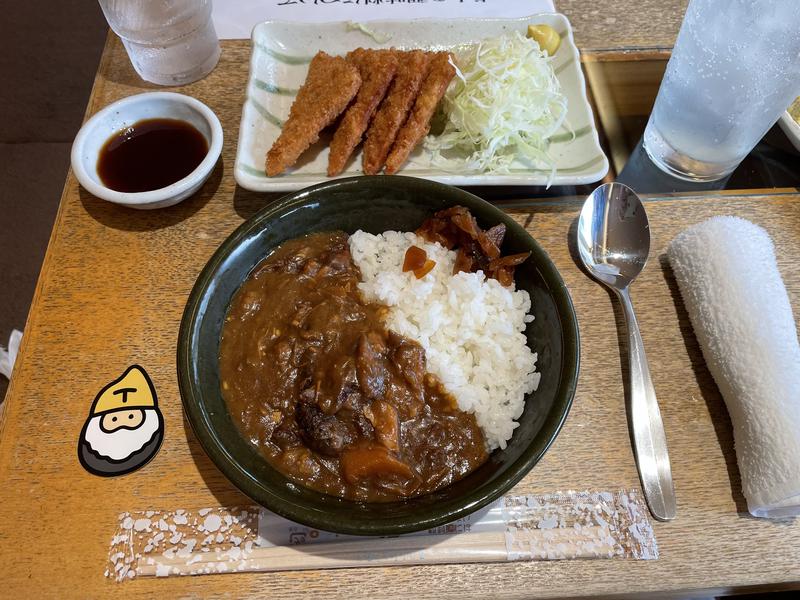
472	327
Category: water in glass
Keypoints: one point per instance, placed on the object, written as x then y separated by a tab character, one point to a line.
734	69
169	42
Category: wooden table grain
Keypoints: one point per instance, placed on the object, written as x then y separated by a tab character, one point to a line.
112	291
614	26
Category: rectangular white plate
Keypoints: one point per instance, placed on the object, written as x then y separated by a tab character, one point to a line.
279	64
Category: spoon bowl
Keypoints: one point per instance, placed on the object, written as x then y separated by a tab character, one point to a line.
613	243
614	235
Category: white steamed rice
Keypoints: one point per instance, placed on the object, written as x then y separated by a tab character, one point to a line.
472	328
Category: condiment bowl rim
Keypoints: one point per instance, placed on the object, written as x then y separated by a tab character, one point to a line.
89	129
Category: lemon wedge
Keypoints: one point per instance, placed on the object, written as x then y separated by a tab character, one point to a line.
547	37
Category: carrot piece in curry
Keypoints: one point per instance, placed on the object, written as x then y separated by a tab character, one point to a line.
414	259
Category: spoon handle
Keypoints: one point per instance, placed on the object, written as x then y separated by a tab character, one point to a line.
649	440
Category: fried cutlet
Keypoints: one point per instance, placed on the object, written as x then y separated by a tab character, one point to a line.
411	72
377	69
331	84
418	123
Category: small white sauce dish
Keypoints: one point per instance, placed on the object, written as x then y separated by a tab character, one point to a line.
124	113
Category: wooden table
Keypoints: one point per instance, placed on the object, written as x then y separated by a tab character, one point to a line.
112	291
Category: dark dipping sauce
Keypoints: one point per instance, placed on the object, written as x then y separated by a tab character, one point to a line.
150	154
328	395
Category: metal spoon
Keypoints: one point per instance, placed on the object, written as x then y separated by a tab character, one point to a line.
613	242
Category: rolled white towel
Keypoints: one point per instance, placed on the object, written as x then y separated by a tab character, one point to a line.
729	280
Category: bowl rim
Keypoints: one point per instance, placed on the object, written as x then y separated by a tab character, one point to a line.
441	513
791	128
151	196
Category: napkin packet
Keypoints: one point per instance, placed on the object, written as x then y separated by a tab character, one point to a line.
737	302
562	525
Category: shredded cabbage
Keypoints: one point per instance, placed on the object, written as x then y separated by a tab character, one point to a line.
503	106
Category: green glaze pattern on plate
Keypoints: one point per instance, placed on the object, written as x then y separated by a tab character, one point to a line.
420	173
374	204
278	68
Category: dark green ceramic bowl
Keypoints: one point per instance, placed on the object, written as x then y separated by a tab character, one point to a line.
374	204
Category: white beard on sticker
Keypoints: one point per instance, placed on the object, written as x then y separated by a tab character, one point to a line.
121	443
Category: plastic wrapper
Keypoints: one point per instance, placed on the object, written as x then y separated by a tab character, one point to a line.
563	525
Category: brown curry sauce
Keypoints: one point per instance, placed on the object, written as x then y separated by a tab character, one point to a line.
328	395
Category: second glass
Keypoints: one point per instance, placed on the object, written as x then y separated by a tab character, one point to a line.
169	42
733	71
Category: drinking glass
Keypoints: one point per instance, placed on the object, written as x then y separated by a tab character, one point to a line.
734	69
169	42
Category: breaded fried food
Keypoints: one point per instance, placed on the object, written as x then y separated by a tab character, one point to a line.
411	72
377	69
331	84
418	123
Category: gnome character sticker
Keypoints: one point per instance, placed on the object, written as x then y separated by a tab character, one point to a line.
124	429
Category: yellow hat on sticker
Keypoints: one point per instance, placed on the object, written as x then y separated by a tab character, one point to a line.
132	390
